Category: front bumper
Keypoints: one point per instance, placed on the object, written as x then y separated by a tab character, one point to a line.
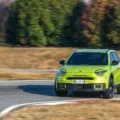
92	82
81	87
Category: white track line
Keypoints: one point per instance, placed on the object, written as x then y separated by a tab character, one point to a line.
12	108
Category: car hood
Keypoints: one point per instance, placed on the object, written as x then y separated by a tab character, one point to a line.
84	68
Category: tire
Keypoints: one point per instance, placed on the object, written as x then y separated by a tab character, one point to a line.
76	92
118	90
61	93
110	92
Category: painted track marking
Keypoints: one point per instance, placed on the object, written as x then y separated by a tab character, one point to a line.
12	108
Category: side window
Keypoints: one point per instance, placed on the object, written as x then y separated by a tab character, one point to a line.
115	57
111	57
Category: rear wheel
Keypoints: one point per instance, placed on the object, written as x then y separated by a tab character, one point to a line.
110	92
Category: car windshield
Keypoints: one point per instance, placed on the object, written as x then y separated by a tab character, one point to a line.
83	58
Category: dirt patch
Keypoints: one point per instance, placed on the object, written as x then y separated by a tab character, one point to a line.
100	110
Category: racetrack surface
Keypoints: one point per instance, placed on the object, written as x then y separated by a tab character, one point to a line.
18	92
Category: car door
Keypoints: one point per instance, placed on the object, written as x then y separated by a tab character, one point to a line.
117	74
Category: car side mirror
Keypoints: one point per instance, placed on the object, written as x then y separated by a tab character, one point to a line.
114	62
62	62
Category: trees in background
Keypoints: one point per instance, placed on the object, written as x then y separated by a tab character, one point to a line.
64	23
73	31
91	19
101	22
4	9
113	36
41	22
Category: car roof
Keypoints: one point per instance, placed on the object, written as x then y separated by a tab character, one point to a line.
95	50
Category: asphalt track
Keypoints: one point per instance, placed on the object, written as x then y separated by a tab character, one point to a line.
19	92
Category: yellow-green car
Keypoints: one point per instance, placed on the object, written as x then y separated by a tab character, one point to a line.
89	70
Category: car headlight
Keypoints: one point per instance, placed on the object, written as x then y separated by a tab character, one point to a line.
62	72
100	72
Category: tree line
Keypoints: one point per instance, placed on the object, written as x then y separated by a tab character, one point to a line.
64	23
4	10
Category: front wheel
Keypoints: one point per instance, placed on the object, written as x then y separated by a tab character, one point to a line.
118	90
61	93
110	92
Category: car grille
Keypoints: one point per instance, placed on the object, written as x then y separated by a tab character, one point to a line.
83	78
79	87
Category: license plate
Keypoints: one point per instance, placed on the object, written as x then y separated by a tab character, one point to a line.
79	81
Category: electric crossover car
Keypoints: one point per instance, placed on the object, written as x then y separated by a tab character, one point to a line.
89	70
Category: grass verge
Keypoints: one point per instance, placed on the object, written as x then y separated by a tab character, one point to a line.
100	110
33	58
26	76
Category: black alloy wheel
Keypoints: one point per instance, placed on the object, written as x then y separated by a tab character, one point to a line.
111	91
